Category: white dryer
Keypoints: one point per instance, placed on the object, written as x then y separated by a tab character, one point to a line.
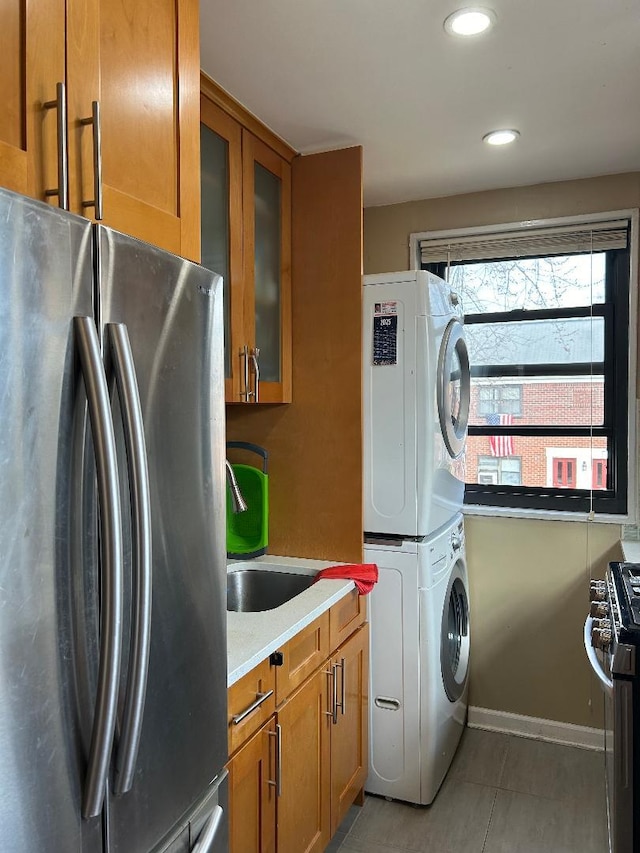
419	629
416	403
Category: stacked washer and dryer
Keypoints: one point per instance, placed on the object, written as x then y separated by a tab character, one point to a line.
416	405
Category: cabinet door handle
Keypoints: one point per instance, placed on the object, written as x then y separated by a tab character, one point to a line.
94	119
244	354
253	355
333	713
278	782
260	698
60	104
341	705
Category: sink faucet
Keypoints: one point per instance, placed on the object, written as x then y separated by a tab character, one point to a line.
238	503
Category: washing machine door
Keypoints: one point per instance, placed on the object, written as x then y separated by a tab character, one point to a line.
454	641
453	388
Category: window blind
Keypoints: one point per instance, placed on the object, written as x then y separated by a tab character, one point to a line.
565	240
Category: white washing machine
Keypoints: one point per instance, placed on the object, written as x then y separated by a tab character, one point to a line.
419	624
416	403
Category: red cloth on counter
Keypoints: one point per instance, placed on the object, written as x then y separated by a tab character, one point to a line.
365	575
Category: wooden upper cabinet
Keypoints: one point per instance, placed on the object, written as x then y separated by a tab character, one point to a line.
138	60
246	238
32	63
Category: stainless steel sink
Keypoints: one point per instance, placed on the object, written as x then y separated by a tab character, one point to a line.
251	590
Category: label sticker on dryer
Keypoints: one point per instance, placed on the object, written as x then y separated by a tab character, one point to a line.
385	333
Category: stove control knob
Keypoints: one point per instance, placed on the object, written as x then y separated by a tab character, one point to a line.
598	590
601	639
602	624
599	609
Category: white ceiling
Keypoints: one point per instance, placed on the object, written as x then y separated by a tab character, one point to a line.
385	75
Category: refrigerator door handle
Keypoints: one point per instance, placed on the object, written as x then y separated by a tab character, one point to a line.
208	834
111	564
138	671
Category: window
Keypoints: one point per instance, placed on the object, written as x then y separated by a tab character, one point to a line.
547	328
496	399
496	471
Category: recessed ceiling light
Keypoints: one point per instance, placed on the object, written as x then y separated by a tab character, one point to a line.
470	21
501	137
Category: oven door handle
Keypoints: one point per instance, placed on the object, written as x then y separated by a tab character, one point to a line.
596	666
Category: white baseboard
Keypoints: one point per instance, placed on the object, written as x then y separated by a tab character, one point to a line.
536	728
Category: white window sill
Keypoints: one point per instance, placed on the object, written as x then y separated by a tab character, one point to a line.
544	514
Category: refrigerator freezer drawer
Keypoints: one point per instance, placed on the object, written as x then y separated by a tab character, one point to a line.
206	829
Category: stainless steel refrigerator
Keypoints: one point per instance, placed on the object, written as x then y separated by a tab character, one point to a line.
112	542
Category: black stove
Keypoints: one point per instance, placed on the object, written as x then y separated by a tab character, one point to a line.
612	637
626	577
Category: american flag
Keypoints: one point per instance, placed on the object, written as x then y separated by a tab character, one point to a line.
501	445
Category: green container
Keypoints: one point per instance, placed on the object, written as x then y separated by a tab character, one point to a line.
248	532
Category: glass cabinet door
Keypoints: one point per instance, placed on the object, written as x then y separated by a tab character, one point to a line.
267	231
246	238
214	176
221	208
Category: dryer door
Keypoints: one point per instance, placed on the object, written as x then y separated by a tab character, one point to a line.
453	388
454	640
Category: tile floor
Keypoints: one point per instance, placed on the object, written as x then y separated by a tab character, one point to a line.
503	794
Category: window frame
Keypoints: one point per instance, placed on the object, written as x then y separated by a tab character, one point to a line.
619	312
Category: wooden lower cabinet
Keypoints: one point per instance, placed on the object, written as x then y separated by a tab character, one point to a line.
315	747
252	799
349	736
304	805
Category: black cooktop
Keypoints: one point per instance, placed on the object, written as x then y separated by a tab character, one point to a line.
627	581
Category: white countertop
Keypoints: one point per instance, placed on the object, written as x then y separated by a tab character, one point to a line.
251	637
631	551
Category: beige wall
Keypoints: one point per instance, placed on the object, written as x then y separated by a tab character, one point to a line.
387	229
528	588
528	578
